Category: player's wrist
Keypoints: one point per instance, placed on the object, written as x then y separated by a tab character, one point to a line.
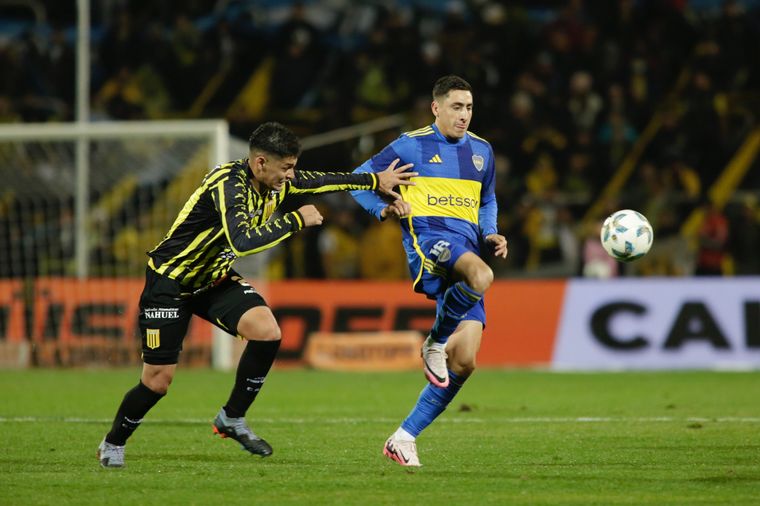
297	223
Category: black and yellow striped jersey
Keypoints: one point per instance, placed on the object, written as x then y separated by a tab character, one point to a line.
226	217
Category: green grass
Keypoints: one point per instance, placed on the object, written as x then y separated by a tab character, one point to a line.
510	437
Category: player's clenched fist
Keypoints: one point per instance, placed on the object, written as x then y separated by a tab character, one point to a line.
311	216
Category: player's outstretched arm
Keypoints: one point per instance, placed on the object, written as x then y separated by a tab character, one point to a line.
499	244
394	176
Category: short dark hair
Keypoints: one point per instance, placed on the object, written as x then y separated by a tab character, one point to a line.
447	83
275	139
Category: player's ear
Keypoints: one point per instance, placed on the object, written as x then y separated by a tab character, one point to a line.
434	108
257	162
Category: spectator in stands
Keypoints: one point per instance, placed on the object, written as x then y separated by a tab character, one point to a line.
745	237
713	241
339	244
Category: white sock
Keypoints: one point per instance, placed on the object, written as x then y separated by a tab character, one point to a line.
403	435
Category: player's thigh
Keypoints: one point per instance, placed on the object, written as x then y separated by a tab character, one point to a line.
441	255
163	319
463	345
237	308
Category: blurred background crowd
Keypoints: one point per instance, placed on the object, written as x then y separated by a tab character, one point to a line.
659	96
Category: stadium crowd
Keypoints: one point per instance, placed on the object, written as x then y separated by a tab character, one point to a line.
564	91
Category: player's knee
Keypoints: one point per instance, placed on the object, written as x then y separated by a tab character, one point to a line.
480	278
462	366
159	382
260	332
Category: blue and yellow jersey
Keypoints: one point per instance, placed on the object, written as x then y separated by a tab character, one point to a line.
454	193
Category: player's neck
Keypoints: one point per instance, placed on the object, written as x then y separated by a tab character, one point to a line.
447	138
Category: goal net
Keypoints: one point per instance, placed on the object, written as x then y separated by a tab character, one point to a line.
80	204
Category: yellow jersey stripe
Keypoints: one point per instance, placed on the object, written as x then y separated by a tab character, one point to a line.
182	267
199	239
426	129
444	197
421	134
415	242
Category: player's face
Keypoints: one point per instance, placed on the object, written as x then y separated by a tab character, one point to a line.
453	113
272	171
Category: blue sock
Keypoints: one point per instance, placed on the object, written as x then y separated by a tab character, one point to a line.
457	300
432	402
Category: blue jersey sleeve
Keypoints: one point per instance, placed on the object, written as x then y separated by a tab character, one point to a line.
488	207
369	200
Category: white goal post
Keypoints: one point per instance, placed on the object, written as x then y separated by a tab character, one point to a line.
86	201
215	131
81	203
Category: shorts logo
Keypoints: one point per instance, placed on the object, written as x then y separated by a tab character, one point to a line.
162	312
478	161
153	338
441	251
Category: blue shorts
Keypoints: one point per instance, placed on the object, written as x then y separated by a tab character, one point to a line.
437	273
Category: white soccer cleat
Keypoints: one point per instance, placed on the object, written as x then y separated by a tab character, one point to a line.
434	359
403	453
110	455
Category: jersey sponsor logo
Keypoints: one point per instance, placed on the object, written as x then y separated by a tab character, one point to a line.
451	200
478	161
153	338
436	159
444	197
162	313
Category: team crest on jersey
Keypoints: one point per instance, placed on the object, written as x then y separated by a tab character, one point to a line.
153	338
478	161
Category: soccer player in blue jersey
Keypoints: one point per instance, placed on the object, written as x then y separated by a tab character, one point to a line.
446	218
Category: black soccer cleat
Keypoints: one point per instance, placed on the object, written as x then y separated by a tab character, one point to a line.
237	429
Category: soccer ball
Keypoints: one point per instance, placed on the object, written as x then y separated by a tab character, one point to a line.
626	235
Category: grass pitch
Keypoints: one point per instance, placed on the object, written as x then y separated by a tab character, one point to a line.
508	438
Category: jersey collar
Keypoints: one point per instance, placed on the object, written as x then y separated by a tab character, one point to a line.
445	139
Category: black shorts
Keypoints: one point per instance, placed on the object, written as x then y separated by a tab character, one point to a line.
166	308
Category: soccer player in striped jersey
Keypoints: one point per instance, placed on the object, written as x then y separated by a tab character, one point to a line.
445	218
190	272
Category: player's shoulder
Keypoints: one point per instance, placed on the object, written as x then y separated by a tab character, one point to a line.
476	138
420	132
223	171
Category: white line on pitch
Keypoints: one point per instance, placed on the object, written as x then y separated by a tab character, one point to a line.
354	420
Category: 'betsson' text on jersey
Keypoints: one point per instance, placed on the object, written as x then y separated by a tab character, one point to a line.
444	197
451	200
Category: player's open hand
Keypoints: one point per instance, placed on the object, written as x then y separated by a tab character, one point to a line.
394	176
499	244
398	209
311	216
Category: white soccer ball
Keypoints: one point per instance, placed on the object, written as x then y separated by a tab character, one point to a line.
627	235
